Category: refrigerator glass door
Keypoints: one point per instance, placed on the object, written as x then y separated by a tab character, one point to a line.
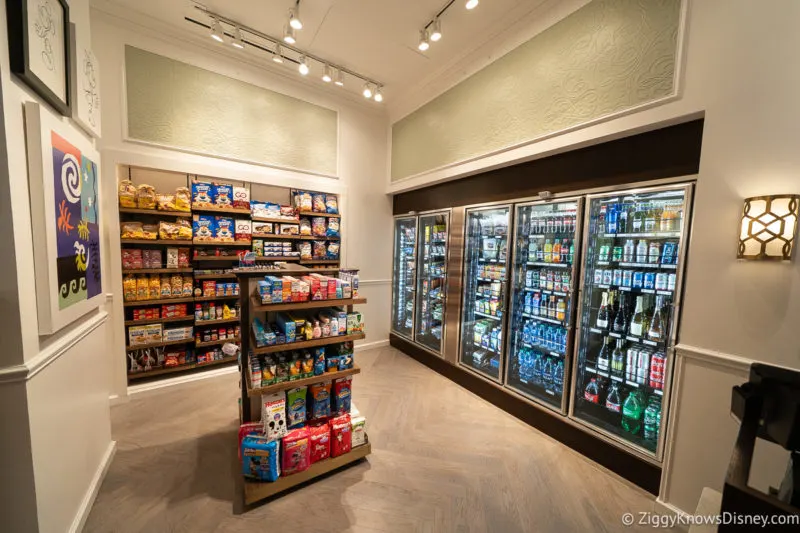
634	249
540	330
485	280
404	275
431	280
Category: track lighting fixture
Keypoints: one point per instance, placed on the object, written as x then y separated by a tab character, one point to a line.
378	95
339	78
471	4
423	41
237	41
367	92
294	17
436	29
278	55
288	34
327	74
216	31
303	67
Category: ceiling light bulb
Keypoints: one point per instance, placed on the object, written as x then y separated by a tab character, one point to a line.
339	78
278	55
378	95
288	35
367	91
327	76
436	30
237	42
294	18
471	4
216	31
303	68
423	40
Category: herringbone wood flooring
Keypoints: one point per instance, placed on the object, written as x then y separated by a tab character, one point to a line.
443	460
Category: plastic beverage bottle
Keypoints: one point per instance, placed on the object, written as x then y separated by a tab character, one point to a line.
628	251
537	368
641	251
548	251
558	377
613	399
632	413
592	393
652	419
556	252
547	372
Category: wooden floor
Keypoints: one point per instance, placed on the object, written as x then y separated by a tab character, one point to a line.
443	460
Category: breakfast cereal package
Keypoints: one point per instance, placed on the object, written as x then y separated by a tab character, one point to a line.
241	198
127	194
318	202
223	195
204	227
202	194
224	229
319	441
243	230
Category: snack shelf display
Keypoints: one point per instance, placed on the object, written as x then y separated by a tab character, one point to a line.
431	291
302	384
157	212
157	344
157	242
634	245
215	276
156	270
180	368
485	289
404	275
163	301
159	320
216	342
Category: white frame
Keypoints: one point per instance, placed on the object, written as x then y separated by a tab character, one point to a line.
81	110
39	125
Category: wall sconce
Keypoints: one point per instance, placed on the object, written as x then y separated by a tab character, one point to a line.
769	225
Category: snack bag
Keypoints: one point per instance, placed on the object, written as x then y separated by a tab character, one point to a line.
296	407
308	365
131	259
319	400
319	250
318	202
341	436
243	230
166	288
165	202
224	229
296	454
204	227
332	204
146	197
177	285
187	287
127	194
303	201
142	288
295	367
260	459
129	288
268	371
333	251
168	230
150	231
223	195
183	257
282	369
131	230
202	194
184	229
183	199
342	389
333	227
319	441
318	228
305	226
305	250
172	258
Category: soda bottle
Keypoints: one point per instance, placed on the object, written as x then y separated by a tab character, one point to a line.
558	377
537	368
632	413
571	252
592	393
561	310
611	218
548	251
613	400
556	251
601	220
550	225
547	372
652	419
558	225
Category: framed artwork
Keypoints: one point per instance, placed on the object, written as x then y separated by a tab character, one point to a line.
63	182
38	48
85	84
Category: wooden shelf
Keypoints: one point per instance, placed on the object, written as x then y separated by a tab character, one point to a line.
312	304
165	301
267	236
157	242
180	368
186	318
215	276
157	270
227	210
275	258
216	258
137	211
289	346
277	220
286	385
315	214
214	298
320	262
255	491
279	271
157	344
200	323
198	242
216	342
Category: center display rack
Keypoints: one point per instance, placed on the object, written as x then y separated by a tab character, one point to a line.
254	491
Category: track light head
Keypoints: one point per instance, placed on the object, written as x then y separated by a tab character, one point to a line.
367	92
471	4
423	41
436	30
339	78
303	67
327	74
237	41
378	95
294	18
278	55
288	34
216	31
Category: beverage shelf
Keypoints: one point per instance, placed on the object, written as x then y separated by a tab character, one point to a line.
482	260
314	343
217	342
638	340
542	349
227	210
546	291
545	264
132	348
488	316
488	349
180	368
159	212
200	323
645	234
156	270
186	318
157	242
311	304
545	319
489	280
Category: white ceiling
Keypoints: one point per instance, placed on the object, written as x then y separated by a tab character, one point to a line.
376	38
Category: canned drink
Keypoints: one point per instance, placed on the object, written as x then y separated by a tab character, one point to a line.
616	277
649	280
671	282
608	277
643	367
616	254
598	275
661	281
638	279
630	367
627	278
657	364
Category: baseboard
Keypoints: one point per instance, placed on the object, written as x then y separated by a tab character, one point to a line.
180	380
372	345
94	487
662	507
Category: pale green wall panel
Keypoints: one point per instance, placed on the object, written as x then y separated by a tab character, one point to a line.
608	56
174	104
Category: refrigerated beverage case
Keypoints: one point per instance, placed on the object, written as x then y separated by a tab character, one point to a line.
604	356
641	251
602	313
621	319
652	419
658	363
637	322
656	330
618	359
613	399
632	413
592	393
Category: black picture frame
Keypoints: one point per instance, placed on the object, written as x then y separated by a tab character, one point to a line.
18	51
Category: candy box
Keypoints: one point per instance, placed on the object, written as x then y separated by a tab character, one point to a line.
319	441
260	459
296	455
223	195
241	198
202	194
273	412
138	335
243	230
286	326
204	227
225	229
358	431
341	435
296	407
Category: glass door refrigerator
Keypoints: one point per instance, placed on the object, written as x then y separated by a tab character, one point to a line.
431	280
542	300
634	248
404	275
485	282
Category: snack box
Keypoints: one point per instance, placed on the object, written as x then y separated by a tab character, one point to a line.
358	430
256	375
347	291
209	288
173	310
314	290
355	323
204	227
264	289
178	334
223	195
286	326
241	198
277	288
138	335
262	227
202	194
264	336
243	230
146	313
289	229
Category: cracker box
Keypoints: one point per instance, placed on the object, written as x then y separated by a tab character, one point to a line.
341	435
262	228
138	335
204	227
223	195
296	456
273	415
241	198
202	194
258	247
243	230
286	327
178	334
358	430
225	229
347	291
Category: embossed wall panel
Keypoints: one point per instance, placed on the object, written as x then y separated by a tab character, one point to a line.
178	105
608	56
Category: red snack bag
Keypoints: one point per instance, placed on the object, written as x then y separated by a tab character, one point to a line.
319	439
183	257
341	438
295	453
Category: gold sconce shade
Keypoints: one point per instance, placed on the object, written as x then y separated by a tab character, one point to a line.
769	225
